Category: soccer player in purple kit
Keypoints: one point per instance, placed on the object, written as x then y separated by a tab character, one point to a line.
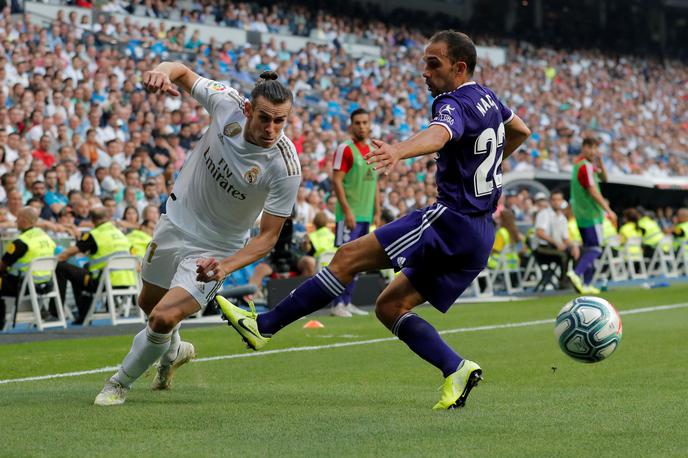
439	249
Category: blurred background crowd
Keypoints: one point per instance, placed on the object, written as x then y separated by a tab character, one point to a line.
78	132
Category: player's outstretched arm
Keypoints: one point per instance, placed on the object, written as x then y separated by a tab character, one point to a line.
428	141
210	269
166	74
516	133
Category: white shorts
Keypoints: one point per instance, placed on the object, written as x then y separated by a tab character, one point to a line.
170	261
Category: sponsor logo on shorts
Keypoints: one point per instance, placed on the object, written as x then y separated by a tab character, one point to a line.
401	260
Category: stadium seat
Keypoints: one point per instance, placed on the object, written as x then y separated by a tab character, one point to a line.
611	264
531	274
682	259
482	285
116	303
551	275
511	275
635	263
39	295
663	263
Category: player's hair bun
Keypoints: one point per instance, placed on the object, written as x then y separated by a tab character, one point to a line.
269	75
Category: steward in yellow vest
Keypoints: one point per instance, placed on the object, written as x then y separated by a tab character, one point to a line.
101	244
503	242
32	243
681	228
652	235
609	233
322	238
139	239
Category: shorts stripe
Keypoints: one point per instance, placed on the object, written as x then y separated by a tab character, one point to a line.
414	236
213	291
404	237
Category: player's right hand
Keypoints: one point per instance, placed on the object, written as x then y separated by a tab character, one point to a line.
209	269
155	80
384	157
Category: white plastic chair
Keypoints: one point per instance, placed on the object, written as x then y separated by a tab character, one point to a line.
682	259
610	266
506	271
663	263
635	263
105	294
488	289
28	293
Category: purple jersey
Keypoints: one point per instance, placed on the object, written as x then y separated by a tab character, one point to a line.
469	167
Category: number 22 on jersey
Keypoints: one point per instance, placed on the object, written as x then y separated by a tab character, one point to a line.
491	143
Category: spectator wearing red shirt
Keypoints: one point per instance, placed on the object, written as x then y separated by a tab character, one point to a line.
43	154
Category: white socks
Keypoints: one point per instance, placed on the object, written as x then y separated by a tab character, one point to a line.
148	346
171	354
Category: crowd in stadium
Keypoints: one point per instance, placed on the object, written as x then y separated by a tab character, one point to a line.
78	132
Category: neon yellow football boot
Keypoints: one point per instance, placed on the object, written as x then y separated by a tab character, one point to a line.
243	322
576	281
458	385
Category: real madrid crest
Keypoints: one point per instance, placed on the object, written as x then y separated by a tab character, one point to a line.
232	129
252	175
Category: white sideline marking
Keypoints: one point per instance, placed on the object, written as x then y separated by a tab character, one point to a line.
337	345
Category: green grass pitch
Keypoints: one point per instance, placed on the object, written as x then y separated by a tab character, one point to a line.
372	399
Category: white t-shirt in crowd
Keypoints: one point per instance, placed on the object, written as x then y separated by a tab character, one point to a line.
554	224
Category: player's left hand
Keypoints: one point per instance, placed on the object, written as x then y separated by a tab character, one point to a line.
209	269
384	157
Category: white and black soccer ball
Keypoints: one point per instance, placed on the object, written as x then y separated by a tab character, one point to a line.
588	329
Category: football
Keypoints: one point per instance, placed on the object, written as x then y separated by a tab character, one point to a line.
588	329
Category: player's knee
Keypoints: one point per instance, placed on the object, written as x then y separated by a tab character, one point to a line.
344	262
163	321
388	311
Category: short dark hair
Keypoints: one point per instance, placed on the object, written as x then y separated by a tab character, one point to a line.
591	141
459	46
358	111
273	91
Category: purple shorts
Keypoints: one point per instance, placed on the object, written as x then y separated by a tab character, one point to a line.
439	250
591	236
343	235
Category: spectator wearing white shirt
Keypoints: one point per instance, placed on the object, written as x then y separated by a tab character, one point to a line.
551	231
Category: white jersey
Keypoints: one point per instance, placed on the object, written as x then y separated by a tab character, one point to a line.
226	181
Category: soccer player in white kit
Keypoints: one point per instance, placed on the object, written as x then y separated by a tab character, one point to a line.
243	164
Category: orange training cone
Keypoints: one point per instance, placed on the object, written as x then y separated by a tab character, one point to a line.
313	324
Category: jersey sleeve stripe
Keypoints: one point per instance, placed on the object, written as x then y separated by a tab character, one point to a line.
234	95
507	121
287	156
339	157
290	156
294	156
445	126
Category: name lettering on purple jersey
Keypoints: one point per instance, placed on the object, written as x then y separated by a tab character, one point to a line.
485	104
469	166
